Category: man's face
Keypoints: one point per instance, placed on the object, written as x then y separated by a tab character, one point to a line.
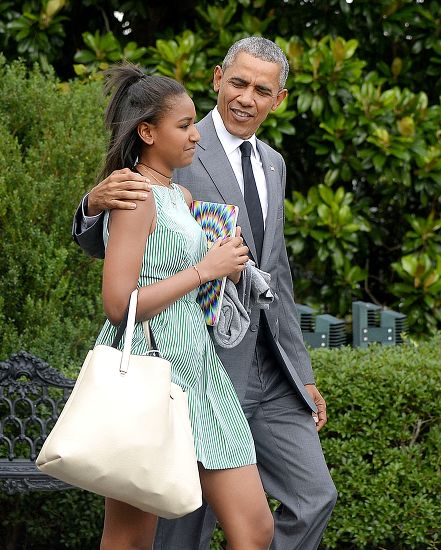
247	91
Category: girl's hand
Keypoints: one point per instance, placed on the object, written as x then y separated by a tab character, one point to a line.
235	275
224	258
238	234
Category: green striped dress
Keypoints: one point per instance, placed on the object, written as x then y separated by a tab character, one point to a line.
221	432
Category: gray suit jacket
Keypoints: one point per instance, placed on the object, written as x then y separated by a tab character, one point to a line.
211	178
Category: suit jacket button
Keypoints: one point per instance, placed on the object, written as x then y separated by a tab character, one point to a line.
254	328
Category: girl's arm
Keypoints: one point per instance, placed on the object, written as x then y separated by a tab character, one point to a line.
124	254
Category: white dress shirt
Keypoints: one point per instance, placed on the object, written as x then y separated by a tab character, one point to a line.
231	146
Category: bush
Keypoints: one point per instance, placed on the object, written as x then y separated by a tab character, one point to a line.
382	445
52	142
70	519
365	222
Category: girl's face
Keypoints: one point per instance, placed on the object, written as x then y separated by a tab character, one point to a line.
172	142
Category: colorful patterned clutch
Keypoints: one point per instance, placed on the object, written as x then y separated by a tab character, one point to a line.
218	222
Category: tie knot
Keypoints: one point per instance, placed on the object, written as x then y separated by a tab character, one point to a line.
245	148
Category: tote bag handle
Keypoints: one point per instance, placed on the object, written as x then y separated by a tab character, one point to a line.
127	325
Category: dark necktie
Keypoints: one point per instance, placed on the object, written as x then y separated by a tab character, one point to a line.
251	197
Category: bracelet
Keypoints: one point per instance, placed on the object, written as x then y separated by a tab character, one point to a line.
199	275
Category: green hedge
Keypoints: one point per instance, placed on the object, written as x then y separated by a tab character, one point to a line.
382	444
51	146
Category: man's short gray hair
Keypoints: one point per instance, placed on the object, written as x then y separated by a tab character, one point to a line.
262	48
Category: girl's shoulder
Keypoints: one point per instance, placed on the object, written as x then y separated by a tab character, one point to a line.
186	194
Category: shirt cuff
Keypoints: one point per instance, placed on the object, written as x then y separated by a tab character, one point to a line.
86	221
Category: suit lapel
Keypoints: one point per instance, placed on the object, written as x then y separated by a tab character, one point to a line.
272	179
214	160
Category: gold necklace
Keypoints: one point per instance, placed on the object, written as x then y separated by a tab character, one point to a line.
170	186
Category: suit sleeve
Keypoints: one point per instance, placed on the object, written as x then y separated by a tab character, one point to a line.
290	334
90	240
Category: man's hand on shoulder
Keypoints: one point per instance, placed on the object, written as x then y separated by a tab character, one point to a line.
118	190
320	417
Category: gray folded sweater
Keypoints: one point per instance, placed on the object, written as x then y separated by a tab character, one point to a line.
234	320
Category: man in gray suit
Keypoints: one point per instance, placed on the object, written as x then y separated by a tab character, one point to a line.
270	368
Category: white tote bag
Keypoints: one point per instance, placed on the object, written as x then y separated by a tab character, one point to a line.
125	432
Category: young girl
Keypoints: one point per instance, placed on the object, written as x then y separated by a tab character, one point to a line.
161	249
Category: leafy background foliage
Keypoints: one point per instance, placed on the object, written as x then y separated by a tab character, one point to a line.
52	141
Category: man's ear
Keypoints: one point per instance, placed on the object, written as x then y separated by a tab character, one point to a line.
145	132
217	77
279	98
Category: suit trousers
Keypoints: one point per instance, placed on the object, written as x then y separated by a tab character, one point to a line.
290	462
